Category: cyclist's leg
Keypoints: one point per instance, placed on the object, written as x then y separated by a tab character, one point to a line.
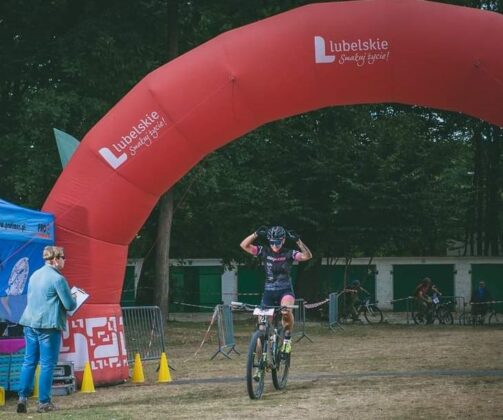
422	309
288	299
354	308
287	320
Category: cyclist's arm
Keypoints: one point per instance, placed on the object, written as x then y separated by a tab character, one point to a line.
421	295
247	244
304	254
435	289
365	290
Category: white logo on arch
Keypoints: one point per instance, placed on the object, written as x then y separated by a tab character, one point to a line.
112	160
320	55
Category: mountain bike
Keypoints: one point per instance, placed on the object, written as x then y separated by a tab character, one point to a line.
490	317
437	310
370	311
264	350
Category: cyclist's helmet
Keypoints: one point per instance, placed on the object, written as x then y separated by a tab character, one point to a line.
356	283
276	235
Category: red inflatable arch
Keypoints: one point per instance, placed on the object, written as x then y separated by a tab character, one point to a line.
327	54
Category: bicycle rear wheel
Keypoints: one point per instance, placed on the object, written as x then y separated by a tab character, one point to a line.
281	364
373	315
419	319
255	366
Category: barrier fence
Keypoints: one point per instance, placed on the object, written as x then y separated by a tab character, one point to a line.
458	305
333	311
144	332
225	331
299	316
223	317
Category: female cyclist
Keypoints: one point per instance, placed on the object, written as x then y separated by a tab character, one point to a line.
277	262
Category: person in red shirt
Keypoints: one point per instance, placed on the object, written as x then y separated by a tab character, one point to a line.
422	296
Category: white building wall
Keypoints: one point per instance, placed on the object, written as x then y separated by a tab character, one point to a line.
384	276
384	284
463	279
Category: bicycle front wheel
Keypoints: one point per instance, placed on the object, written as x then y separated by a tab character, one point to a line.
444	316
373	315
281	364
494	319
255	366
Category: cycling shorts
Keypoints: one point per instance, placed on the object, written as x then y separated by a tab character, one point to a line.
273	297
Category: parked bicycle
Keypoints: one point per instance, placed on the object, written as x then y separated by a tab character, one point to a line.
437	311
368	309
264	350
491	317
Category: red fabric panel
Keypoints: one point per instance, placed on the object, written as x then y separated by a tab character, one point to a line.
97	267
95	334
326	54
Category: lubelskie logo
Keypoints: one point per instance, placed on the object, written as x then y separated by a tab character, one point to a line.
142	134
358	51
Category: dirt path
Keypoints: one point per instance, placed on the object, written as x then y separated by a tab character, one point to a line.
363	372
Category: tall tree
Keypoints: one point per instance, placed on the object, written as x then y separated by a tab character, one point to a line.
161	285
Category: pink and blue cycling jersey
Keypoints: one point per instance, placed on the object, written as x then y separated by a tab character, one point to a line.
277	266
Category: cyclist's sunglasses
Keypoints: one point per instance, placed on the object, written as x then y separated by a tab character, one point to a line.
275	242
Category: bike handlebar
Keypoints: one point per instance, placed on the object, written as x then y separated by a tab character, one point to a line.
251	308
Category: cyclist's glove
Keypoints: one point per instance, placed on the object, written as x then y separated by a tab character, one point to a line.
292	235
261	232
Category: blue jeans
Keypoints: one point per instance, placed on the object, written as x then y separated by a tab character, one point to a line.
41	345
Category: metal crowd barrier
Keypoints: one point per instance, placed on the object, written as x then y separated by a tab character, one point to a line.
333	311
144	332
299	316
225	331
409	302
457	301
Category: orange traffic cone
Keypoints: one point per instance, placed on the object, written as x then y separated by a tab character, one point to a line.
87	380
137	370
164	375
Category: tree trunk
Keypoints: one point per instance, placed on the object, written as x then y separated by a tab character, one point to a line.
161	284
479	191
493	193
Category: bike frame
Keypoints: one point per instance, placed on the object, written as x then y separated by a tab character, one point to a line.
267	322
264	349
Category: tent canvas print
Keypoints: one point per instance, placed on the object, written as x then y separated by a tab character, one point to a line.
23	235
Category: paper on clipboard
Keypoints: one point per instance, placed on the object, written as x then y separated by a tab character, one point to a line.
80	296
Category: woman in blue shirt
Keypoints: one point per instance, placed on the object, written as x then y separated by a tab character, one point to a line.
44	318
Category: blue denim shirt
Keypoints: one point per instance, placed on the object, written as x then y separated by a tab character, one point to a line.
49	297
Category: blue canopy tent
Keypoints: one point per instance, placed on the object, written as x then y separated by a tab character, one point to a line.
23	235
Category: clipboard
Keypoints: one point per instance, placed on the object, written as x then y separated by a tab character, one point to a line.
80	296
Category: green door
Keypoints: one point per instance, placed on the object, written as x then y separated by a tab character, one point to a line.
210	286
250	284
176	292
492	274
407	276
